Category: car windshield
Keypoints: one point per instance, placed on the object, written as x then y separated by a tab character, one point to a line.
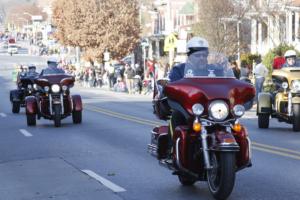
212	65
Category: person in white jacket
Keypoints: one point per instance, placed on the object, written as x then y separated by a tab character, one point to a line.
260	73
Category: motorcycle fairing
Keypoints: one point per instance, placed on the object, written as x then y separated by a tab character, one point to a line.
189	91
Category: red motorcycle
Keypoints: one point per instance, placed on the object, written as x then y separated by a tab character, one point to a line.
53	100
209	144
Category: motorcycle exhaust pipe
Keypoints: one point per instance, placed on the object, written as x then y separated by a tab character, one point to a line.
152	149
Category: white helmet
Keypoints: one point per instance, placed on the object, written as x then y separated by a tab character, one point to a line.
290	53
196	44
52	60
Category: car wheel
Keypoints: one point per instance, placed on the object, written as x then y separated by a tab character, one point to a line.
263	120
296	117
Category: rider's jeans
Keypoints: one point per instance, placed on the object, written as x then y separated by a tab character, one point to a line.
259	82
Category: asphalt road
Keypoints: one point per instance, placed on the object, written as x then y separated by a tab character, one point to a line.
45	162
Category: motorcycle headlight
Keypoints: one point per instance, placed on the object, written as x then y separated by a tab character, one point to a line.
46	88
55	88
296	85
35	86
238	110
197	109
218	110
29	86
64	87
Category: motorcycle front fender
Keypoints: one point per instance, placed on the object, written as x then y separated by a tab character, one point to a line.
225	142
77	103
31	105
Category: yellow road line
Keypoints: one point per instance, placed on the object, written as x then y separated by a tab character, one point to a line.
257	146
276	152
122	117
276	148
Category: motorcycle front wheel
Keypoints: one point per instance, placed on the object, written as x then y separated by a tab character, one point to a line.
57	115
221	177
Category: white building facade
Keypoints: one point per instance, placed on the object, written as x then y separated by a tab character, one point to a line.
274	22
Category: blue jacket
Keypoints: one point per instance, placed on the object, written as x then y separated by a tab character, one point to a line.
177	72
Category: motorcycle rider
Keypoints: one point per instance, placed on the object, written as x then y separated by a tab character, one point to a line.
52	68
197	52
290	58
32	71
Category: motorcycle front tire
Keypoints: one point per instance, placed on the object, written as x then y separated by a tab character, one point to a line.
222	177
57	115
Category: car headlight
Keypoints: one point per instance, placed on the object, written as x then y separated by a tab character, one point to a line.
46	88
238	110
285	85
296	85
197	109
218	110
55	88
64	87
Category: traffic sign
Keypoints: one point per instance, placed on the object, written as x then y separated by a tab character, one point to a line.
170	42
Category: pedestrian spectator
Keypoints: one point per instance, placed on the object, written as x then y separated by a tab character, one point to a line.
111	75
150	68
129	75
235	69
244	71
260	73
278	60
167	70
86	78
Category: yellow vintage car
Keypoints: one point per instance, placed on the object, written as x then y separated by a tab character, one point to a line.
284	102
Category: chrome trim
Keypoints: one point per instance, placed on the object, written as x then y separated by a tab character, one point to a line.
208	122
177	154
50	104
290	104
205	148
62	103
250	148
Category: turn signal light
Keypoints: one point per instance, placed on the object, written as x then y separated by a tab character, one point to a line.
197	127
237	127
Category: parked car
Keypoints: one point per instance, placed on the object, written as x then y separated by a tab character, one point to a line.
12	49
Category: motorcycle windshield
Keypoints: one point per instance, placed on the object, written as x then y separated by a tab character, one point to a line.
207	65
57	79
